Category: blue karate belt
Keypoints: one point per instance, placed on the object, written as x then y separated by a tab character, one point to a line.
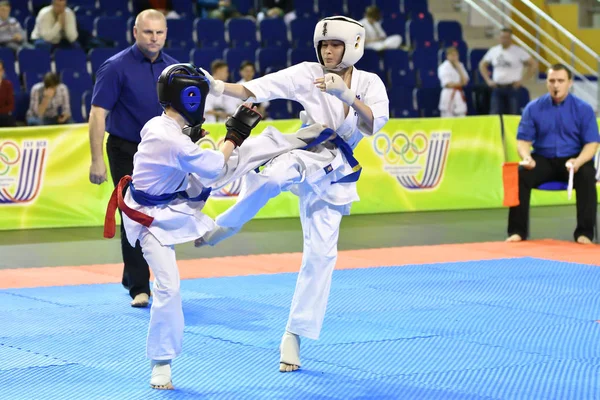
346	151
145	199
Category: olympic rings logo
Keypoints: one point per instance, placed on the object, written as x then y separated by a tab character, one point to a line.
9	158
400	147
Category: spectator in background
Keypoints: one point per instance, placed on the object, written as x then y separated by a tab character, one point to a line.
225	11
164	6
277	9
217	109
12	34
453	77
247	71
7	100
508	60
49	103
375	36
55	26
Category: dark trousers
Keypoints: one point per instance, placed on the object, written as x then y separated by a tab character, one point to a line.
553	169
505	100
136	274
7	120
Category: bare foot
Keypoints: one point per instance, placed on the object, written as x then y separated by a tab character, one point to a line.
583	240
168	386
283	367
514	238
161	376
290	352
140	300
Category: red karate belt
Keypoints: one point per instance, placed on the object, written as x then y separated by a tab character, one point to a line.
116	201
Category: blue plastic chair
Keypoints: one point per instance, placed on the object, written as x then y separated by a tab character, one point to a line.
278	109
210	33
556	186
427	100
242	33
205	56
302	30
273	33
235	57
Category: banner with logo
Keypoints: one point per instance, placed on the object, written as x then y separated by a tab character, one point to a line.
44	179
431	164
412	165
538	197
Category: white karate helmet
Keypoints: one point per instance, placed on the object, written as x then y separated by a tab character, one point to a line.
346	30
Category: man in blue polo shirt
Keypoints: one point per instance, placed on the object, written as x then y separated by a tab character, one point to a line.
563	132
124	99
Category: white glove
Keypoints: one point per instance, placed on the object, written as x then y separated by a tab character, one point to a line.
335	85
216	86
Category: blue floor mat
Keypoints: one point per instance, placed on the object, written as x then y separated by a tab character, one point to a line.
514	328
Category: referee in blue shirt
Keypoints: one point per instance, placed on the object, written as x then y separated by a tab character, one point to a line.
124	99
562	129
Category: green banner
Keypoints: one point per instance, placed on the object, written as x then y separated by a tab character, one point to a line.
44	179
431	164
412	165
538	197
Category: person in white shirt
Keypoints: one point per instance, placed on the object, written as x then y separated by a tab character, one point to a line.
247	72
12	34
508	61
453	77
353	104
171	181
55	26
376	38
219	108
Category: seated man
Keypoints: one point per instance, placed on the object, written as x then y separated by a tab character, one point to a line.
55	26
11	32
376	38
564	134
49	103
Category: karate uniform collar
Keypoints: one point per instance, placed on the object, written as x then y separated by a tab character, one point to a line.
171	121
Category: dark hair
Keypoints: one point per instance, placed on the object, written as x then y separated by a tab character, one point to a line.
373	12
451	49
562	67
508	30
247	63
2	63
51	80
215	65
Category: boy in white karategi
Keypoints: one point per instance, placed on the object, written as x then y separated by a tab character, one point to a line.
172	178
453	77
351	102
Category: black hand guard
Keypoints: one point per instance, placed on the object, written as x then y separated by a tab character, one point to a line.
194	132
240	124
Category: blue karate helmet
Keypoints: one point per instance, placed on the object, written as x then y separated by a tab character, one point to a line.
184	87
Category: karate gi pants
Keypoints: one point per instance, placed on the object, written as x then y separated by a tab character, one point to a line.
320	227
